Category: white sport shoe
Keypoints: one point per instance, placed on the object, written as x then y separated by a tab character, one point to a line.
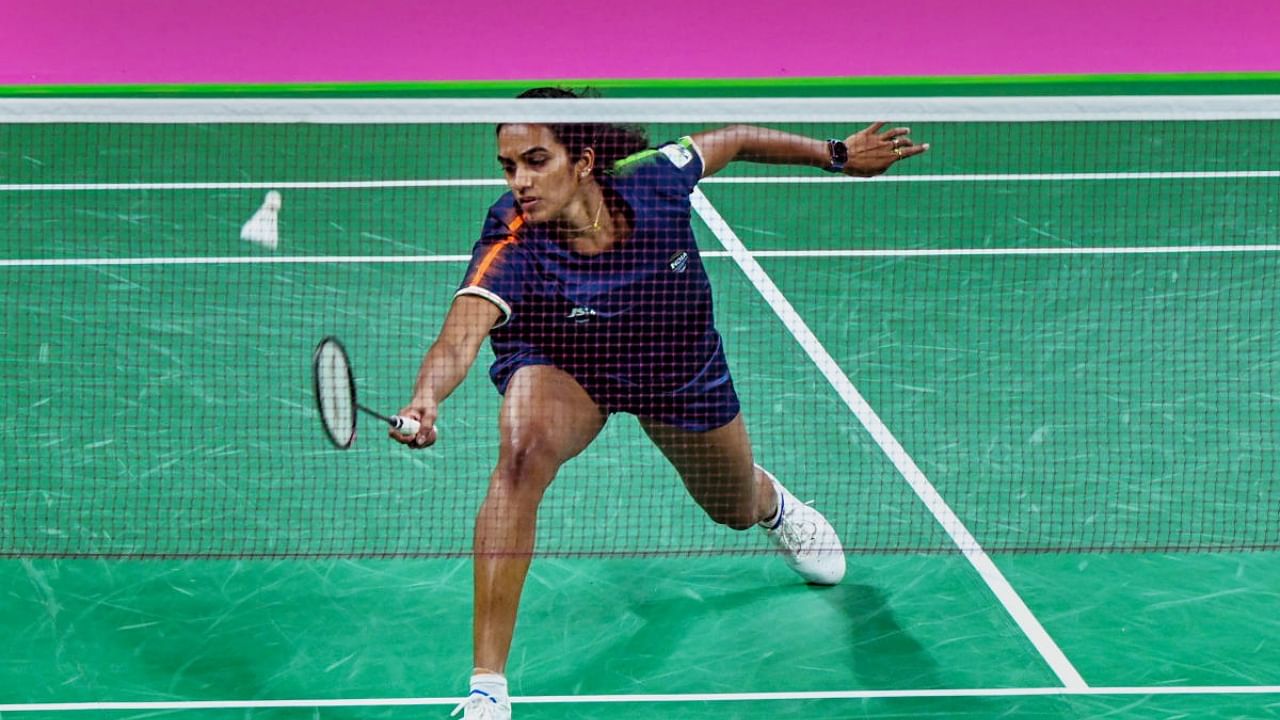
479	706
809	543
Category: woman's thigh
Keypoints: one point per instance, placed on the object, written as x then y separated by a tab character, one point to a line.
546	419
717	465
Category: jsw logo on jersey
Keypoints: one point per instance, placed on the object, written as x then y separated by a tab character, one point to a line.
678	262
581	314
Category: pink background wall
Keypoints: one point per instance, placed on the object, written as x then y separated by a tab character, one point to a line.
221	41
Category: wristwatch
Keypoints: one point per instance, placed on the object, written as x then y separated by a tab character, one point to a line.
839	156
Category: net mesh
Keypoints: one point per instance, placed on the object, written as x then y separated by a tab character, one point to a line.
1065	329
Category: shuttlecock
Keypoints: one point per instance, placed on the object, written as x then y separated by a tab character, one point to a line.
263	227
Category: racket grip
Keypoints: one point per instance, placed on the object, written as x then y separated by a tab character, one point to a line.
404	425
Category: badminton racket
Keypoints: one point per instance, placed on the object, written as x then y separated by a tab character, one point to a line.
335	389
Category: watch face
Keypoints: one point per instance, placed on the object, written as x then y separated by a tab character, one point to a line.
839	153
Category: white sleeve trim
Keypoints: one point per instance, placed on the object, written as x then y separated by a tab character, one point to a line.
491	297
697	151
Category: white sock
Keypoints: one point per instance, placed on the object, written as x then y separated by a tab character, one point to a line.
491	686
773	521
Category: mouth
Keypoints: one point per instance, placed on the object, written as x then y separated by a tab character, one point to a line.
528	204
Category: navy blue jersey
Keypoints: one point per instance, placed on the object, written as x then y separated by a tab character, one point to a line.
631	323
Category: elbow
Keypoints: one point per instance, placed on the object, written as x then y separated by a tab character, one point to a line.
460	349
453	355
741	136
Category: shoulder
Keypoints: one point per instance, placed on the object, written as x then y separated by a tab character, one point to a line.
505	209
679	158
503	218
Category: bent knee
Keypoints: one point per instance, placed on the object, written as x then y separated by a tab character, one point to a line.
530	452
527	462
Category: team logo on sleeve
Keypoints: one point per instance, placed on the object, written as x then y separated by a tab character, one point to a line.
678	262
679	155
581	314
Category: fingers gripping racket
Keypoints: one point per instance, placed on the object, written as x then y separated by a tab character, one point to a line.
335	388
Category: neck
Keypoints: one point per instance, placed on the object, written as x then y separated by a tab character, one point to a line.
591	220
594	227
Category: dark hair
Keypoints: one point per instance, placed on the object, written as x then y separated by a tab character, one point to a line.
611	142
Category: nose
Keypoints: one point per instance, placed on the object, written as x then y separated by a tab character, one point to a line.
521	179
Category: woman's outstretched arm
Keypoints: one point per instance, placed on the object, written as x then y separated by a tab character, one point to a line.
870	152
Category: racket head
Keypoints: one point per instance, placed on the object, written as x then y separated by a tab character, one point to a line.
335	390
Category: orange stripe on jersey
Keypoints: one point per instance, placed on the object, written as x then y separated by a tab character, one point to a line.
490	257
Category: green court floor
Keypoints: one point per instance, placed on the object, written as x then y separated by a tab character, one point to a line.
1086	369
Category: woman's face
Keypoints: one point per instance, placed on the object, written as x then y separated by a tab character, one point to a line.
539	171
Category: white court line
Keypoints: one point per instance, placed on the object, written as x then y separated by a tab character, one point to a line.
236	260
998	177
907	467
769	179
654	698
417	259
288	185
946	252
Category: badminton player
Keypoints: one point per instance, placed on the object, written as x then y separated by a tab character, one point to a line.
588	283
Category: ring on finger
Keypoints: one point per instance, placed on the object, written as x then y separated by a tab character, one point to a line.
895	142
897	151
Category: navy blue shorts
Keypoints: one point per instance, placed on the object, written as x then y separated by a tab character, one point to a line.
707	401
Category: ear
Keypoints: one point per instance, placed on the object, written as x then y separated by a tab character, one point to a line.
586	162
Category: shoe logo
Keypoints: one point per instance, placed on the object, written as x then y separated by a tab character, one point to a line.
581	315
678	262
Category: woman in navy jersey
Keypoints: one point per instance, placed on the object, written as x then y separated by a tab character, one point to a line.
588	283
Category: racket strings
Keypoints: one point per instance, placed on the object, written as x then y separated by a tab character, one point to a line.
337	398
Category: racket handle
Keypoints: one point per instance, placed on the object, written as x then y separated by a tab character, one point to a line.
404	425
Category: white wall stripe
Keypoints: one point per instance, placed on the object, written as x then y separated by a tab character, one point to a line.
664	110
889	444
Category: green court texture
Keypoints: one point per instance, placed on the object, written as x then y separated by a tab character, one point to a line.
1069	328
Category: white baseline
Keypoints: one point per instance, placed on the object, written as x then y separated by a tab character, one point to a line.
161	705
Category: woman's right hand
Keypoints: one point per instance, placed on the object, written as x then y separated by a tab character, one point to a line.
425	412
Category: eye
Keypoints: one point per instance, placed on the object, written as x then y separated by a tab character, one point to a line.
537	160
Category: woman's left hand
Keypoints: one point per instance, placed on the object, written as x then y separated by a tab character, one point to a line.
871	152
